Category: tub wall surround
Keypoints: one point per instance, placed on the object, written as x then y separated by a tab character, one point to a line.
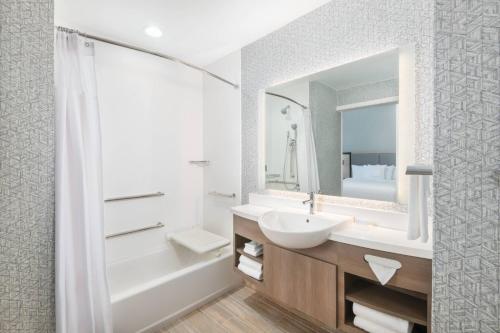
467	154
221	145
337	33
152	126
26	167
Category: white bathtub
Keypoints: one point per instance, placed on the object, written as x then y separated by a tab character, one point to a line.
149	291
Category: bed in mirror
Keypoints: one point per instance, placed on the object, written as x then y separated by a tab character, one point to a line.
336	132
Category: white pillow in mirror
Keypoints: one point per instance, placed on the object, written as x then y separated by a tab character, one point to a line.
358	172
389	172
376	172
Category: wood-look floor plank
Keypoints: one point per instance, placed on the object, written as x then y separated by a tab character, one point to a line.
242	311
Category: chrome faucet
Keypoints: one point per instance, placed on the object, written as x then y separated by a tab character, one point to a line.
310	202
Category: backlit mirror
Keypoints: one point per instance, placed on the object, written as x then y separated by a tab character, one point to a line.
335	132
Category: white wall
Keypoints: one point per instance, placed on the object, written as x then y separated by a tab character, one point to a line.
370	130
222	144
152	119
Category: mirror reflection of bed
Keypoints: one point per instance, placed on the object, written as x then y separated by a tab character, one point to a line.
334	132
369	153
370	176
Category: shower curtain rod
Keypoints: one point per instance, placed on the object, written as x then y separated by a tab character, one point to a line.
143	50
288	99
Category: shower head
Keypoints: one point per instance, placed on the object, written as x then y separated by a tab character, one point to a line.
285	110
294	126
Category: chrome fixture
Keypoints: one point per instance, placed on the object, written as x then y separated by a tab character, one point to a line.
418	169
140	49
284	111
217	194
288	99
133	231
137	196
311	202
291	158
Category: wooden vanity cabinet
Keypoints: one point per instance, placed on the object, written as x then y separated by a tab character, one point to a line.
323	282
302	283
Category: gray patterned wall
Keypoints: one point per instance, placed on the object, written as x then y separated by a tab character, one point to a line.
467	153
366	92
328	141
26	167
339	32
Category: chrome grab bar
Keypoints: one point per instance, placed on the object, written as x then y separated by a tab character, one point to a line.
200	163
133	231
217	194
138	196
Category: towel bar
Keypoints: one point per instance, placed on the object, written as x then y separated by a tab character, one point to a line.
200	163
133	231
422	170
137	196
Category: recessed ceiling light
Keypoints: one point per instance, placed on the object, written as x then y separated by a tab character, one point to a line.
153	31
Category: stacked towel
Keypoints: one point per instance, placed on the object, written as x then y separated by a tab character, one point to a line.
374	321
253	248
250	267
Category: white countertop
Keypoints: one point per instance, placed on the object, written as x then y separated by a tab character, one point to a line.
363	235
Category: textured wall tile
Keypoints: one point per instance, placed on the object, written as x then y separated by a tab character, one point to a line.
336	33
26	167
466	154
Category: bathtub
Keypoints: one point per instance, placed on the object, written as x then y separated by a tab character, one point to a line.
149	291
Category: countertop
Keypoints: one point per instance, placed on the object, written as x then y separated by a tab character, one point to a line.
363	235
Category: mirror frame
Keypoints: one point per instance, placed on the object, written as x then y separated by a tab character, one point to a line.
405	121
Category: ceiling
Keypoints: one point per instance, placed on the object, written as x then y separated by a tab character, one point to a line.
379	67
199	31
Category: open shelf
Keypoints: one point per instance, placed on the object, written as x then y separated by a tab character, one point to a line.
259	259
380	298
239	243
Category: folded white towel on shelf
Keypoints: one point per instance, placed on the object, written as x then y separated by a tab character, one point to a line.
253	245
254	253
417	208
253	248
390	323
370	326
251	263
250	271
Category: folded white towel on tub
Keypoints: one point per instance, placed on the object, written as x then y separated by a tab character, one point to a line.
384	320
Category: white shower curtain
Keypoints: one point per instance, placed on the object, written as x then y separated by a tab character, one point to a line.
82	295
308	163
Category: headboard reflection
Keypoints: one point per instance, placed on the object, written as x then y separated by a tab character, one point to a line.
373	158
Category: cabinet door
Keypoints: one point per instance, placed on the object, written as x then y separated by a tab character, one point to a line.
302	283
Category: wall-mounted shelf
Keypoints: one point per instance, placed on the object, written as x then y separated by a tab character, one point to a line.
373	102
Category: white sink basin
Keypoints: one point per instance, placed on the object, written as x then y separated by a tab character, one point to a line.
298	230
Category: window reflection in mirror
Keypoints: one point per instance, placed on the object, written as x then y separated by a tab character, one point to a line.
334	132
